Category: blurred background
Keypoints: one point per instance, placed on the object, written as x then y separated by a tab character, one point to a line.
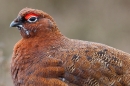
103	21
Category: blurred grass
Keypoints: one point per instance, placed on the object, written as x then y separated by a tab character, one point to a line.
104	21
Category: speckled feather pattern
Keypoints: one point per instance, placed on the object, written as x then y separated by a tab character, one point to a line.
55	60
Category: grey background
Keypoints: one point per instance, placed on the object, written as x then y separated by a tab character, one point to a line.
103	21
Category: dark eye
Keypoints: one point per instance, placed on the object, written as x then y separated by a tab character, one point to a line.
32	19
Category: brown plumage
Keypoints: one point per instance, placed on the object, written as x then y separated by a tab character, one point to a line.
45	57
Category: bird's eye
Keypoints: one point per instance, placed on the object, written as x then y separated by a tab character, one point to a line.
32	19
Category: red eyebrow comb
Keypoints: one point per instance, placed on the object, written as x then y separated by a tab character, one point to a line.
29	15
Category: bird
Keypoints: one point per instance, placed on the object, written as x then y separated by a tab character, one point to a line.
45	57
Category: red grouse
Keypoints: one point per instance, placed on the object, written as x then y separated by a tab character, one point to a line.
45	57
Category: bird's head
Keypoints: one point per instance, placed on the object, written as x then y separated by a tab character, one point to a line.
32	22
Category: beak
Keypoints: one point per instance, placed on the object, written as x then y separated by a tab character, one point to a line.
15	24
